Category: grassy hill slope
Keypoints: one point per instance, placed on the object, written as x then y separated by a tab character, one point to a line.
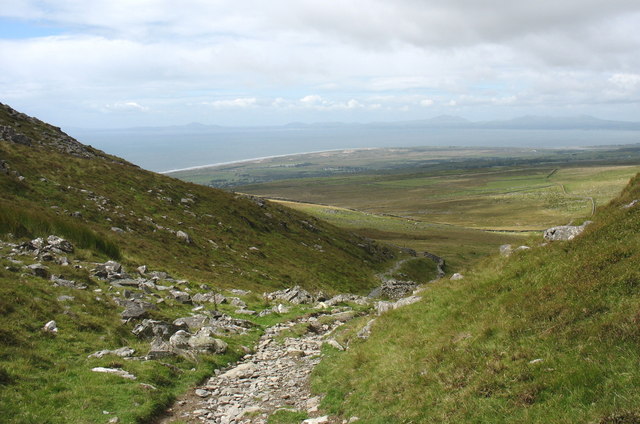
57	183
207	240
547	335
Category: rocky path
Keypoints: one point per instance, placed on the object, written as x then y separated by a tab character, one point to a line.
275	376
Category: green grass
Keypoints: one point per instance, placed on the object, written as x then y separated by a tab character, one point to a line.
287	416
237	242
420	270
38	223
548	335
503	198
293	248
459	246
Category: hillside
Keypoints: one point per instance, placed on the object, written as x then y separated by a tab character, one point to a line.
106	266
233	241
545	335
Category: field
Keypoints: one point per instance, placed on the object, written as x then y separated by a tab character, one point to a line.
348	162
460	214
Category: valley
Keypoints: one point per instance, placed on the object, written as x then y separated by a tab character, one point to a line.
317	293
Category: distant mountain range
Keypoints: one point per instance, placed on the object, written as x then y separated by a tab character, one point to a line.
196	144
528	122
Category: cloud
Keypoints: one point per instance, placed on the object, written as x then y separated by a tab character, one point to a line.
426	102
626	81
362	57
241	103
125	107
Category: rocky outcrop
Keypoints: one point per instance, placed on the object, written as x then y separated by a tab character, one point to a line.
564	232
296	295
393	289
46	136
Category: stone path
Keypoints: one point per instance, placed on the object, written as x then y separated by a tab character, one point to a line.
275	376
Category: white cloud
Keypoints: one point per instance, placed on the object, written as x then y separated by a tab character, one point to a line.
626	81
362	57
126	107
241	103
426	102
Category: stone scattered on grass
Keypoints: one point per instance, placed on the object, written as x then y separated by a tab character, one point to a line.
51	327
115	371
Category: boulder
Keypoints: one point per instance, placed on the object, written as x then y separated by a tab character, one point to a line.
383	306
123	352
150	328
296	295
406	301
318	420
39	270
183	236
159	349
110	270
193	323
58	281
506	250
180	296
564	232
216	298
394	289
204	342
51	327
115	371
135	309
125	282
180	340
346	298
237	302
457	276
60	244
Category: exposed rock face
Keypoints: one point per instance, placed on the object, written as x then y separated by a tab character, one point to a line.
9	134
150	328
110	270
59	243
296	295
564	232
48	136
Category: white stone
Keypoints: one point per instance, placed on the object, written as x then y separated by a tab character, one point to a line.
115	371
51	327
319	420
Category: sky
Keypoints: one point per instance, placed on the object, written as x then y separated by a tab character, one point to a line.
124	63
